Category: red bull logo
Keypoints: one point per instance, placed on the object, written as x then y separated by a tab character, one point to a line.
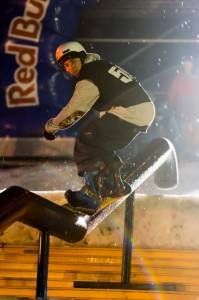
24	91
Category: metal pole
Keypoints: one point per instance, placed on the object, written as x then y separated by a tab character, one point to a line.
42	267
127	242
126	261
140	40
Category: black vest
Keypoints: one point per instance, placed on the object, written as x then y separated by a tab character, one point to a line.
115	85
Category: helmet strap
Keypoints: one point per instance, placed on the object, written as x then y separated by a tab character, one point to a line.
82	57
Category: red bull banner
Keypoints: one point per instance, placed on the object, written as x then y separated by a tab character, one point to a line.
33	88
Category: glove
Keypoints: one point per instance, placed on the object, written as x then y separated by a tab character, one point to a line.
49	136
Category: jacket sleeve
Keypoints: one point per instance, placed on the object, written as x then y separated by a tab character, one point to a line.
84	97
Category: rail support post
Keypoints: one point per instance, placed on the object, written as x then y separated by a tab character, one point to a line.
126	260
127	241
42	267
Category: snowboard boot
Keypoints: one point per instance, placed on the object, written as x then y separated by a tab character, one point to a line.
102	186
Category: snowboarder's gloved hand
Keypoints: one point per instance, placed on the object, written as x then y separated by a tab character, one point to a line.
50	130
49	136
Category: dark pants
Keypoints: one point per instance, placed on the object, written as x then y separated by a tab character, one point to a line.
99	140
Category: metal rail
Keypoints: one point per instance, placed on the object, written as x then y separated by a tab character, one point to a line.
140	40
19	204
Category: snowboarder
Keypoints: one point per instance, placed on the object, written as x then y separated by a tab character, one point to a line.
117	108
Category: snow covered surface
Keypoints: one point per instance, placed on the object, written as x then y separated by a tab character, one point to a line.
163	218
